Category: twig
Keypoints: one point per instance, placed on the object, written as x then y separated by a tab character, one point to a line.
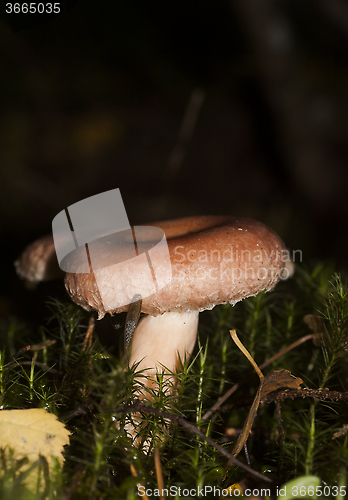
53	371
185	133
138	406
324	394
243	436
159	474
135	474
82	409
34	347
280	424
246	353
88	340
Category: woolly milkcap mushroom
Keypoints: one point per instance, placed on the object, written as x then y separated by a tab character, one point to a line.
38	262
214	260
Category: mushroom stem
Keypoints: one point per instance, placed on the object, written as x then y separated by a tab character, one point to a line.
159	341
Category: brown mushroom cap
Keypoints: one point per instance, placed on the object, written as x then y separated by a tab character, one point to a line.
214	260
38	262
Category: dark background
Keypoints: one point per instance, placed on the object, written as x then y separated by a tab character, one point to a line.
94	99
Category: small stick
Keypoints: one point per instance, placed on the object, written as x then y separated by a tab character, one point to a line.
34	347
177	155
87	343
244	435
159	474
280	424
135	474
322	394
246	353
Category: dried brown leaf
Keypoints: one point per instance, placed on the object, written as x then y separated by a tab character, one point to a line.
280	379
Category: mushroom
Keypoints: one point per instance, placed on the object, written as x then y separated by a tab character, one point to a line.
214	260
38	262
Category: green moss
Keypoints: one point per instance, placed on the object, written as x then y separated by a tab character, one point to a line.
88	388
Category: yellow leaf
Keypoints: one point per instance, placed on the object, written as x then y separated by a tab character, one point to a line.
31	434
235	489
